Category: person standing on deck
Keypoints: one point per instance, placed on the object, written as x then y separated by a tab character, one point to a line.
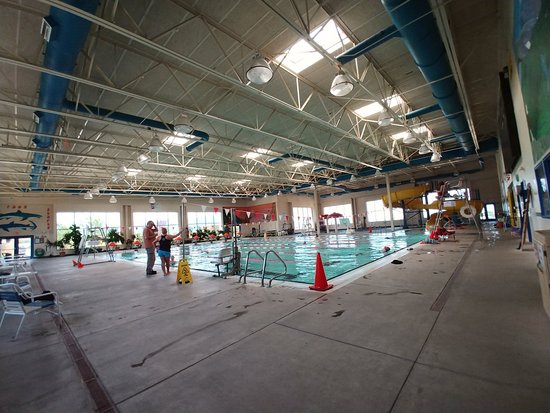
165	243
149	238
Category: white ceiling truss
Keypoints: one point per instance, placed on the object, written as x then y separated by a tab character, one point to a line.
165	62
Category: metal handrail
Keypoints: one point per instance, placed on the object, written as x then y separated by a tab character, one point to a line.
246	267
265	264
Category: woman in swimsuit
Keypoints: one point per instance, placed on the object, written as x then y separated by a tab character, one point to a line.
165	242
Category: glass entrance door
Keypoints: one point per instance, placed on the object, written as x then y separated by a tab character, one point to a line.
7	247
20	247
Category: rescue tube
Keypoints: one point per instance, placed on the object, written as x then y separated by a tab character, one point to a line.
468	211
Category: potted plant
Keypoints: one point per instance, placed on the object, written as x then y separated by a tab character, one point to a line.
113	237
73	236
130	242
55	245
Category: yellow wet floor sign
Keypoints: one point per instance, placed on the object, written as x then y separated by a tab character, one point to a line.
184	273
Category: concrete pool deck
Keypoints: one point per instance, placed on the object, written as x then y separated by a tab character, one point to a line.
458	326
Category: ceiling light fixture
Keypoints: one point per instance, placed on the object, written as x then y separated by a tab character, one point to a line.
259	72
156	145
210	201
279	193
409	138
94	191
254	198
352	178
341	84
122	170
120	173
88	195
265	195
329	181
113	199
436	157
143	159
183	200
233	201
183	129
293	189
385	119
152	200
423	150
312	186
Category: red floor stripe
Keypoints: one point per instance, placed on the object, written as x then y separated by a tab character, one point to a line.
99	395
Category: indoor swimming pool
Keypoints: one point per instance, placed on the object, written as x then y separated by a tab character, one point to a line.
340	253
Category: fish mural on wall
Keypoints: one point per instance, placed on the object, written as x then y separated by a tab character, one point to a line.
18	221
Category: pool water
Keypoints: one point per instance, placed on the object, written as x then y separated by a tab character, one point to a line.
340	253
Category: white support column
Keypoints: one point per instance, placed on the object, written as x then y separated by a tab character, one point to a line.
389	201
315	222
183	222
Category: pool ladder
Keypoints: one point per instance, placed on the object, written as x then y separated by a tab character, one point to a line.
262	271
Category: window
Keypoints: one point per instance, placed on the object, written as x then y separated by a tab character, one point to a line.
345	210
488	212
302	55
103	220
542	185
169	220
210	220
302	218
377	212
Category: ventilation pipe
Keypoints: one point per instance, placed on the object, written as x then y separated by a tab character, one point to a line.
136	120
368	44
68	35
416	23
422	111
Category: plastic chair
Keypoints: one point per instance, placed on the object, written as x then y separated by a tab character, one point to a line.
19	302
225	257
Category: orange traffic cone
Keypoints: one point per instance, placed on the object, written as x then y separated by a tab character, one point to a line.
80	265
320	283
74	263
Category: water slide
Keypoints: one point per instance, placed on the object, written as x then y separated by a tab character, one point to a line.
410	198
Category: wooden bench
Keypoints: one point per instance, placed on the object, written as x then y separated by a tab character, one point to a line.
225	257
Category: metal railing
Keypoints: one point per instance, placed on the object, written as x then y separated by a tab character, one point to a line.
246	272
264	265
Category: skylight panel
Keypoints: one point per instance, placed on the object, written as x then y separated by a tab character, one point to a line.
133	172
419	130
254	154
302	55
175	141
374	108
251	155
301	163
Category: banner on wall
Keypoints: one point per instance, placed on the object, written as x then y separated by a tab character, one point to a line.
251	214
